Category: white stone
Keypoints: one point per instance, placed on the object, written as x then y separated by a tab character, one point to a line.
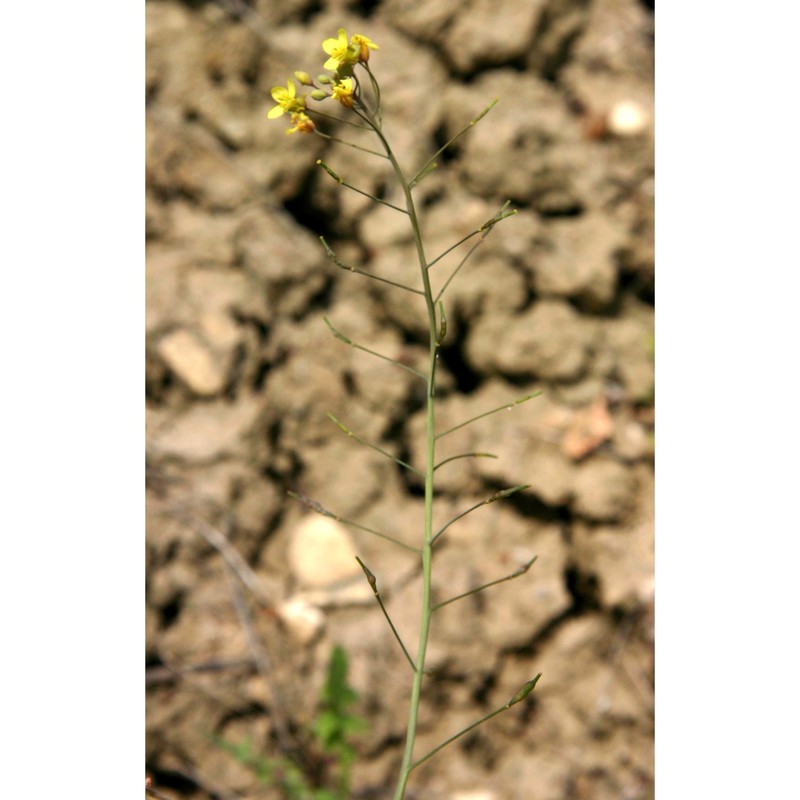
627	118
321	553
192	362
303	620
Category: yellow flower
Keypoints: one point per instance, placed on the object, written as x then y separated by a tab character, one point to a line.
302	123
343	92
341	53
364	45
286	100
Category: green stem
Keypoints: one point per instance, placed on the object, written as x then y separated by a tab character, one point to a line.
430	462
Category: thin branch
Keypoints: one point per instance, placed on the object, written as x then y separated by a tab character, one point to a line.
373	582
377	91
333	257
357	346
360	110
456	270
166	674
507	406
464	455
348	144
343	182
359	100
493	499
338	119
516	574
484	230
518	697
425	167
232	557
262	660
315	506
453	247
342	427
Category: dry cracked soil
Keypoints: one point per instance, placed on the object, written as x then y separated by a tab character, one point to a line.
248	590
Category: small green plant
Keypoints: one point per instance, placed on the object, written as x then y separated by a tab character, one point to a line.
351	84
334	725
330	732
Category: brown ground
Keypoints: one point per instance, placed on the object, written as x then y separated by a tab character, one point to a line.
241	371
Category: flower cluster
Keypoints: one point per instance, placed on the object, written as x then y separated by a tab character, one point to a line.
343	56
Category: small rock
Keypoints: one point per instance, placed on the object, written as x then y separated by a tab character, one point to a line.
627	118
303	620
193	362
322	553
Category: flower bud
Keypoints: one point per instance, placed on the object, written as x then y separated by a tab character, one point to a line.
304	78
318	94
306	125
324	79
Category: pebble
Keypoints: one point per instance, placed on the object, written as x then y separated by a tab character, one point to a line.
627	118
303	620
192	362
321	553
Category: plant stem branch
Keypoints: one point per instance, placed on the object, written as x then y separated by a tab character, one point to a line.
315	506
424	169
427	552
373	582
494	498
342	427
520	695
341	337
506	407
464	455
333	257
330	138
343	182
515	574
